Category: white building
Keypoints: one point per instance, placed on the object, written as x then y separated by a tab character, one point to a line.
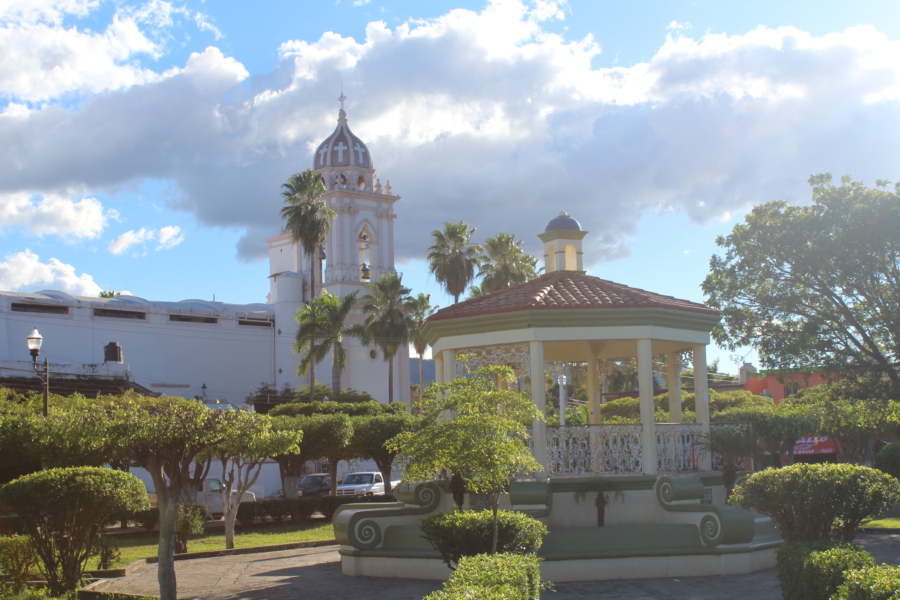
177	347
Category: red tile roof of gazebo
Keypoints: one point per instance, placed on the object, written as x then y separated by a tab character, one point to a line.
564	290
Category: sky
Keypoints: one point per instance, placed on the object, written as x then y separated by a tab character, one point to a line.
143	144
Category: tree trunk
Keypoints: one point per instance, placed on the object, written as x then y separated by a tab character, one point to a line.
168	515
230	507
385	468
312	373
332	470
495	504
458	490
335	375
391	379
421	378
600	503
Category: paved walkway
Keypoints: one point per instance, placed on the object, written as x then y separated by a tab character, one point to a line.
315	574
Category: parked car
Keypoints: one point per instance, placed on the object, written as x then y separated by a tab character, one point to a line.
209	496
369	483
316	484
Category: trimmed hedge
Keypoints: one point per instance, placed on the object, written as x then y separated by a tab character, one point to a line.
872	583
811	502
467	533
18	562
299	509
815	570
493	577
888	459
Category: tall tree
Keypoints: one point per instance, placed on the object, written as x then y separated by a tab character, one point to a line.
308	220
453	258
372	432
249	440
419	310
322	330
485	440
815	285
387	321
164	436
505	264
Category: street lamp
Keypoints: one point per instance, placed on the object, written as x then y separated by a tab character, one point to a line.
563	398
35	339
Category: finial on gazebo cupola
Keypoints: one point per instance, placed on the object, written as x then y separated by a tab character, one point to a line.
562	244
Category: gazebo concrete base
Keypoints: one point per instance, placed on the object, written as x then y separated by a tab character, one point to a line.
659	527
740	562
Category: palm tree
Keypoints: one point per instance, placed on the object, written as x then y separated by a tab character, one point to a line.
387	321
322	329
308	221
505	264
419	309
452	257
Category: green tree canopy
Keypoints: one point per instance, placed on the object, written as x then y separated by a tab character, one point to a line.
815	285
504	263
329	437
484	440
453	258
371	434
165	436
248	440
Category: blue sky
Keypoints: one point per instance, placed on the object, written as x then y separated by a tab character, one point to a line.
143	143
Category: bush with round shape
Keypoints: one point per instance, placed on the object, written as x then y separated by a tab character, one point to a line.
888	459
810	502
64	511
467	533
18	561
872	583
493	577
815	570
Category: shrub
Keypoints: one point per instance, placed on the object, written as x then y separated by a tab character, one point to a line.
17	560
493	577
64	511
811	502
814	570
888	460
467	533
191	522
248	512
872	583
107	552
146	518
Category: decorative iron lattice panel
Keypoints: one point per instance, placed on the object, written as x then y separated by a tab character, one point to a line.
515	356
594	449
677	447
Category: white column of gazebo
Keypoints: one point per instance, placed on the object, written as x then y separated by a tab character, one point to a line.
594	448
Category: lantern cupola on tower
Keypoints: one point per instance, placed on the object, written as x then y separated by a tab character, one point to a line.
562	244
344	160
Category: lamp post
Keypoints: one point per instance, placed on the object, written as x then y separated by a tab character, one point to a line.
35	339
563	398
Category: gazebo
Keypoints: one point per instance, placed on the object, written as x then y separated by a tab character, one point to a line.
670	519
568	316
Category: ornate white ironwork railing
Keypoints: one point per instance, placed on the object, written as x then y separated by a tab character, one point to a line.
602	449
677	447
594	449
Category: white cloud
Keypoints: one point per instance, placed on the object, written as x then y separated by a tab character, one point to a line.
84	218
675	25
487	109
25	271
168	237
360	2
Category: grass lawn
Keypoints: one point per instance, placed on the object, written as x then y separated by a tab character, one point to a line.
888	523
144	546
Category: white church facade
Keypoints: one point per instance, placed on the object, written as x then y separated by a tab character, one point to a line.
177	348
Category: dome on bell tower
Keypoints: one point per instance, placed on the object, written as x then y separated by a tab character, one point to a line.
342	148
